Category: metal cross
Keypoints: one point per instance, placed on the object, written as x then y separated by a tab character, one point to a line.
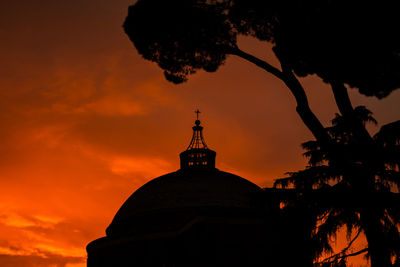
197	113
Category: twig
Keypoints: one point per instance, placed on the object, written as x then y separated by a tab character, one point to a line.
344	256
341	254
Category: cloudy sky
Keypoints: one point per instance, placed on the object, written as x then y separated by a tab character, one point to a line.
85	121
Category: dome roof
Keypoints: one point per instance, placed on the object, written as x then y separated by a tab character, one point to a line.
197	189
185	190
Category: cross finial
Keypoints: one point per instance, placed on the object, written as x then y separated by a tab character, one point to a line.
197	113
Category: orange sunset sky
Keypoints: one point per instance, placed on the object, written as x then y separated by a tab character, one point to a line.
85	121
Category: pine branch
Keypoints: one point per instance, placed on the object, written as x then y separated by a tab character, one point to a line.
324	262
341	255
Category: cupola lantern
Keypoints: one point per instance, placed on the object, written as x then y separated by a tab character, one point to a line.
197	155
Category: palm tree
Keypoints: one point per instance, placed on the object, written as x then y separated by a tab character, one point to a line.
339	194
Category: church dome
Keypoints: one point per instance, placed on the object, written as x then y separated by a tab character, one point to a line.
197	188
181	192
197	215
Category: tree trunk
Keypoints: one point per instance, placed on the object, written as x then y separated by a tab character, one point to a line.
370	215
377	246
303	109
365	142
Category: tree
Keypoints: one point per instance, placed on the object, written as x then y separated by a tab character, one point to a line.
352	44
338	200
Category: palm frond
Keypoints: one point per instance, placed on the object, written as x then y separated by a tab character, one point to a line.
364	115
389	134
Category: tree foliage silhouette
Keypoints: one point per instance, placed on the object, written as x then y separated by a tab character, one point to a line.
347	44
338	199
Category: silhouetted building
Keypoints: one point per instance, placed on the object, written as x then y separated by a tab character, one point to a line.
196	216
